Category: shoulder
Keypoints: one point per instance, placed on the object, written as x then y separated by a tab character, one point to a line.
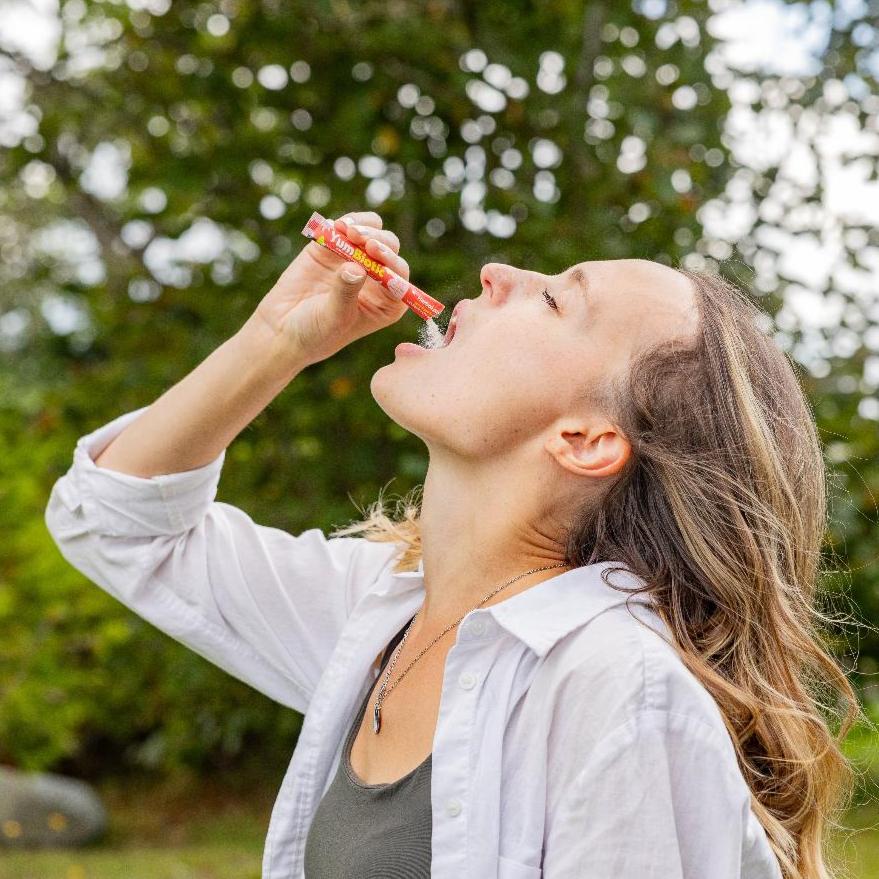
618	672
634	736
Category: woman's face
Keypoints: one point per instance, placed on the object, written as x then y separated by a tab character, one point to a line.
517	365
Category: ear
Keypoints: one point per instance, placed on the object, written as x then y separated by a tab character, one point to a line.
598	450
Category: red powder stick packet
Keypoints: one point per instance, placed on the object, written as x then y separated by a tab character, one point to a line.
322	230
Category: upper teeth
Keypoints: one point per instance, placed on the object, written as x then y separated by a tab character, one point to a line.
450	330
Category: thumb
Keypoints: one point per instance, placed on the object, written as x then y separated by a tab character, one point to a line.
349	279
352	277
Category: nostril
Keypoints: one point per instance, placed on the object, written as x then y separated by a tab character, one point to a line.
497	281
485	274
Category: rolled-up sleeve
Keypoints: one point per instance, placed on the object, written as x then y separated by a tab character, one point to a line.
265	605
657	799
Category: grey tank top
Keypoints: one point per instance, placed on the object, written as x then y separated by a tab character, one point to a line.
371	831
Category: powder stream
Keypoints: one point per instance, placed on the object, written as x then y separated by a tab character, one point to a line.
430	335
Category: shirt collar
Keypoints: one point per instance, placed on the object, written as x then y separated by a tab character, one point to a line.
549	610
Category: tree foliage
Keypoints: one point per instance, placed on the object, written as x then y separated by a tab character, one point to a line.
153	184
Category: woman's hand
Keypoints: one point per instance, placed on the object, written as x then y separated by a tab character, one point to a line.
323	302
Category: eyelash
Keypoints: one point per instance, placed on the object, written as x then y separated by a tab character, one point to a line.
550	300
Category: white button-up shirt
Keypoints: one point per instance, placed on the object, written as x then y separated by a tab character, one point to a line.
571	740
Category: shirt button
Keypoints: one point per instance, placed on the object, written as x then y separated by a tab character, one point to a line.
453	807
467	680
477	627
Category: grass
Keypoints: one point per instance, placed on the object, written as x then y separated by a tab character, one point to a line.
183	828
214	828
187	862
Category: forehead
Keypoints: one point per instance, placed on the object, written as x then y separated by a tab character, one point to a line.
638	293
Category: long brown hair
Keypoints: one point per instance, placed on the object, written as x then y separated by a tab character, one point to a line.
721	510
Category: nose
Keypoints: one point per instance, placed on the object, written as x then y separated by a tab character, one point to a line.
497	279
500	281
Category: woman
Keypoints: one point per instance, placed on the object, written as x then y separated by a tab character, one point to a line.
601	665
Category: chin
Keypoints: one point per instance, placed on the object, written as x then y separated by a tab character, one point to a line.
386	392
378	381
391	375
404	406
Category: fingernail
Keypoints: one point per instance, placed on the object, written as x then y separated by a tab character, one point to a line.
350	274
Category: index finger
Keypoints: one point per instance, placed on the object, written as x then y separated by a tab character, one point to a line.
362	218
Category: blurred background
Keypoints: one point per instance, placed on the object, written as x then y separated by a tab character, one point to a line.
157	163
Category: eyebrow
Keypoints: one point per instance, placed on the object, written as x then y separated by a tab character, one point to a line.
578	275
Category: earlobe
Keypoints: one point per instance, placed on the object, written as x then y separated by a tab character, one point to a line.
599	452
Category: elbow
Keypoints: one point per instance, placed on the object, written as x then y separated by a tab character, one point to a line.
63	516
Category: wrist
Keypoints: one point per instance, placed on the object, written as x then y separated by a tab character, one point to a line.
269	351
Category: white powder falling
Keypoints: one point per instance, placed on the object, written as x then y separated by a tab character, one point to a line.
431	335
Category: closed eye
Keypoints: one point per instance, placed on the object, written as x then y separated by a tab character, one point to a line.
550	300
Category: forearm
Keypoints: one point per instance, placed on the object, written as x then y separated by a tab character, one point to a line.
193	421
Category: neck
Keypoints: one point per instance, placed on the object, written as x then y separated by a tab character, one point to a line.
478	531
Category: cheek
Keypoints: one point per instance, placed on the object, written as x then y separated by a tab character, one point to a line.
516	387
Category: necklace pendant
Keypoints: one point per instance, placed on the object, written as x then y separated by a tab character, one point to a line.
376	719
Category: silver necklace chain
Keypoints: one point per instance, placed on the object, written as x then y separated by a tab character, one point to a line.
384	690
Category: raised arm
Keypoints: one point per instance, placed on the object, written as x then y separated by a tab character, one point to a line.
319	305
136	511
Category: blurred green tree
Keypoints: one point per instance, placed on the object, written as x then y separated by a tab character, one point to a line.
155	177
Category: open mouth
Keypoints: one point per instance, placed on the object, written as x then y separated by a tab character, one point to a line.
432	336
450	331
454	320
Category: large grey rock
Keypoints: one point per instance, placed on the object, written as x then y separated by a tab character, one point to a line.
41	810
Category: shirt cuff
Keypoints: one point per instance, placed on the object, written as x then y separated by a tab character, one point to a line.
136	506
